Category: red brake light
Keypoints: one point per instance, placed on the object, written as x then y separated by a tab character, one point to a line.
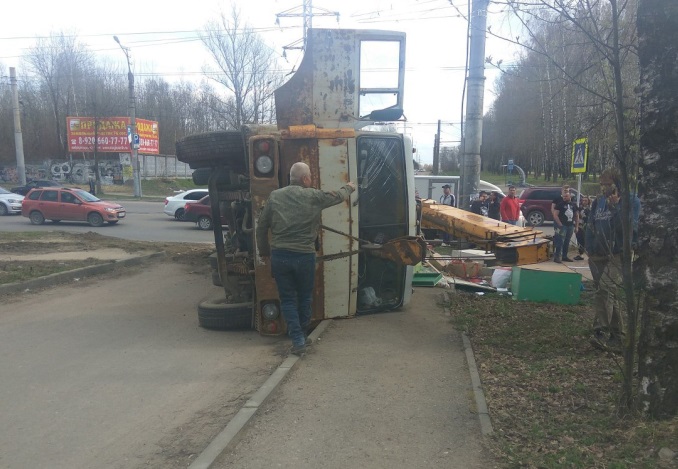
166	200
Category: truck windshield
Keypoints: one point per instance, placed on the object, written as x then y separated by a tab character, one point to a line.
383	212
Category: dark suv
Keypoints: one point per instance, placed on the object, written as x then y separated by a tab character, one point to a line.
23	190
535	203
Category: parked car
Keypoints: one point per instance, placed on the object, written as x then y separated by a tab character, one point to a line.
62	203
23	190
201	213
174	205
9	202
536	203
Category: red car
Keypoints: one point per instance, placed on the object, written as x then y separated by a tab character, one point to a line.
200	212
62	203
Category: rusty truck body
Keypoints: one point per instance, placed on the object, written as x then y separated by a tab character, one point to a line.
348	81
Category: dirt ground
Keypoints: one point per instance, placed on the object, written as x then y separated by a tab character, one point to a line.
44	253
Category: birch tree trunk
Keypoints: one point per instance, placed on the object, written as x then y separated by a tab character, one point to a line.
658	346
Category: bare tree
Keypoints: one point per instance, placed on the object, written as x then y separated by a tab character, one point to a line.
658	263
101	97
245	66
60	62
590	46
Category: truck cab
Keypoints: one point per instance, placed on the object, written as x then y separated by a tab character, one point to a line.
330	115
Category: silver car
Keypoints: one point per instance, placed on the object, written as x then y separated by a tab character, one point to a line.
10	202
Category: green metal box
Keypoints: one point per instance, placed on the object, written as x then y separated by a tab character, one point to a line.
550	282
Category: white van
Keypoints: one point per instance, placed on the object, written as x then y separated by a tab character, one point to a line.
431	187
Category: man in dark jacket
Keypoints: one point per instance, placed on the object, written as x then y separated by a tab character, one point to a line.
604	244
480	205
494	204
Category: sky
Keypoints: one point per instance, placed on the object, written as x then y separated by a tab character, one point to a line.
163	40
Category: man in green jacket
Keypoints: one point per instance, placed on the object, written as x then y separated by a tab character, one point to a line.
292	214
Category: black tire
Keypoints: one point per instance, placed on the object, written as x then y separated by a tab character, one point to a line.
204	222
180	214
201	176
56	221
213	149
3	210
217	313
36	218
535	218
95	219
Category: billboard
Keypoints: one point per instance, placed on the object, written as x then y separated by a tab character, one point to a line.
111	135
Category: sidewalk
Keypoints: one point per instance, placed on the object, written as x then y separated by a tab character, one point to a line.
390	390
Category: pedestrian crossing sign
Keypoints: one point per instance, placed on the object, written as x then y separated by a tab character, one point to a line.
580	155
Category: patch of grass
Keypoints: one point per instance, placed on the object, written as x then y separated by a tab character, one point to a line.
11	272
156	187
551	396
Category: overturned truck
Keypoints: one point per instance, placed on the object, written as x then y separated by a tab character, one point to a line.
326	114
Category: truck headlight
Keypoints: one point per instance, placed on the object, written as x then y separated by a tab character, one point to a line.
264	164
270	312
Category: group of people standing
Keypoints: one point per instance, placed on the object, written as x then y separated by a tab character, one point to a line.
493	206
292	216
489	204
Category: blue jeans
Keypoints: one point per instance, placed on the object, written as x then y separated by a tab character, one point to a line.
294	274
561	240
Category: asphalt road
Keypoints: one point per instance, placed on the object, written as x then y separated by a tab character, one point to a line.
145	221
116	373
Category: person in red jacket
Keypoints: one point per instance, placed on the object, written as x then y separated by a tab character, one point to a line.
510	208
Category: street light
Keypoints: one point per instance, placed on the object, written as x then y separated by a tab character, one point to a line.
132	120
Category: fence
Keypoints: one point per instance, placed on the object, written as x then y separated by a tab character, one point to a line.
111	170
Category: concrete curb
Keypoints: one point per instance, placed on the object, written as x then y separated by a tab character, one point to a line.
231	433
481	404
69	275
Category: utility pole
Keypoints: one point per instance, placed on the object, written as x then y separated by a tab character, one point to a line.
470	174
18	137
436	152
134	144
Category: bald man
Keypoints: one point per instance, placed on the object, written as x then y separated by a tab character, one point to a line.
292	214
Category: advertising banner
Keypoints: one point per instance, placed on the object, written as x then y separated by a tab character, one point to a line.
111	135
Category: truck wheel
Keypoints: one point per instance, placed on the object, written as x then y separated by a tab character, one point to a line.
204	222
213	149
218	313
